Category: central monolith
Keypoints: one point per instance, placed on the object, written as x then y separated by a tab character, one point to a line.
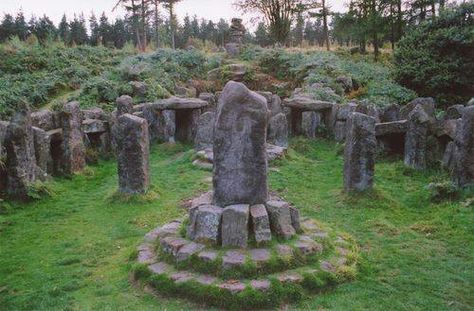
240	160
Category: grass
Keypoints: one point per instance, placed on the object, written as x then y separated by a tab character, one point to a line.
71	251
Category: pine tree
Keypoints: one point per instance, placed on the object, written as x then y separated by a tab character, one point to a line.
94	28
7	29
64	32
21	27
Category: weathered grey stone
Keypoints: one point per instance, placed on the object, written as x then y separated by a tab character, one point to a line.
207	256
280	219
391	113
209	98
306	102
185	92
232	286
416	138
359	153
94	113
188	250
260	256
275	152
340	131
43	156
295	218
346	83
284	251
470	102
160	268
261	285
448	161
45	120
274	105
235	223
292	278
311	120
74	151
181	276
146	254
233	259
124	105
203	199
240	158
344	112
307	246
20	150
427	103
138	88
133	154
454	112
206	279
463	173
171	245
205	224
260	223
205	131
388	128
278	130
94	126
176	103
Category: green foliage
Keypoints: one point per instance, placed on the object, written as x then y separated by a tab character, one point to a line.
39	73
435	58
443	191
39	190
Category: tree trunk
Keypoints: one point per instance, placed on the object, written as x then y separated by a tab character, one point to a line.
143	26
399	20
325	25
173	44
135	22
157	21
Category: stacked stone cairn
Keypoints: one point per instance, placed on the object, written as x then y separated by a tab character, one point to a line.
237	32
239	242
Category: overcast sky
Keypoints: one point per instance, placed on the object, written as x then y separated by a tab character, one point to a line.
209	9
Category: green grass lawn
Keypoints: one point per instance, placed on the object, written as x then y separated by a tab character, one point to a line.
71	251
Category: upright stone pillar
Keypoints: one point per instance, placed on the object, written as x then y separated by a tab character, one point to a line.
205	131
416	138
240	158
42	141
278	130
133	154
20	150
359	153
74	151
463	173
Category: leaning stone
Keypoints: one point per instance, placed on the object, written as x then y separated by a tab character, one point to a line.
74	151
207	256
260	256
240	159
463	173
278	130
205	224
235	222
171	245
233	286
133	154
233	259
204	137
260	285
188	250
417	138
20	150
359	153
260	224
280	219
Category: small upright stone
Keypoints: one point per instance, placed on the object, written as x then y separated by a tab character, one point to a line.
280	219
240	157
260	224
463	173
235	225
205	224
74	151
416	138
133	154
205	131
311	120
278	130
359	153
44	159
124	105
21	161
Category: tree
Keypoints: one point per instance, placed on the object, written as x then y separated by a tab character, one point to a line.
94	28
222	30
323	14
133	7
278	14
120	34
7	28
64	32
261	35
78	30
44	29
169	5
21	27
104	30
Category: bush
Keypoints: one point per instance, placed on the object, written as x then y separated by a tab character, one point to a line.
436	58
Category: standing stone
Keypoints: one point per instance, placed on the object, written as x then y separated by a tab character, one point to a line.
416	138
21	161
240	158
280	219
340	131
391	113
278	130
44	159
463	174
74	151
205	224
235	222
168	119
124	105
359	153
311	120
237	32
133	154
205	131
260	224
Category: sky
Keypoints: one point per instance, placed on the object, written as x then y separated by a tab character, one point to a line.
209	9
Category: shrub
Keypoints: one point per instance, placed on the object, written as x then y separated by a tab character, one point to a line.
443	191
436	57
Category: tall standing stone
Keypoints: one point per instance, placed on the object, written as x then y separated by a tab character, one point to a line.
278	130
463	174
133	154
311	120
359	153
74	151
240	158
20	149
44	159
416	138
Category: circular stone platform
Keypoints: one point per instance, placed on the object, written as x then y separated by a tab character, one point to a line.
258	276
